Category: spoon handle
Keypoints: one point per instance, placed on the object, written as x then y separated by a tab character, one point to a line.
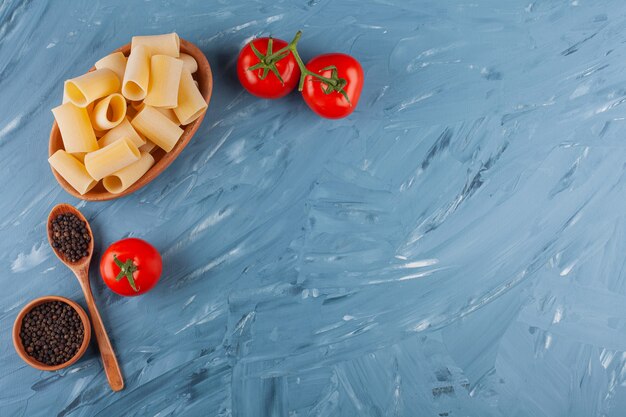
109	361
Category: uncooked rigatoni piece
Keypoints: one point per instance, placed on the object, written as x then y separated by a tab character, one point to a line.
148	146
191	104
189	62
167	44
75	128
116	62
91	86
108	112
80	156
157	127
164	80
72	170
123	130
66	99
111	158
137	106
169	113
125	177
137	74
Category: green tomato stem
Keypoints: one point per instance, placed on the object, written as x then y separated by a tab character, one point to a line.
292	47
127	269
269	61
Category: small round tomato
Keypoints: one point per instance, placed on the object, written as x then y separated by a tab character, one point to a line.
272	79
323	99
131	266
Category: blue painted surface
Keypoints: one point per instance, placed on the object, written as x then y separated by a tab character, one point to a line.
454	248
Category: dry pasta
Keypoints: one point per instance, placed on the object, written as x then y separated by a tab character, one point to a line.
191	104
80	156
138	105
75	128
157	127
109	112
149	146
169	113
137	74
116	62
125	177
66	99
164	80
168	44
115	120
123	130
189	62
111	158
91	86
72	170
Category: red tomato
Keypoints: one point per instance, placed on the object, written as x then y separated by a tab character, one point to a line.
328	103
131	266
263	82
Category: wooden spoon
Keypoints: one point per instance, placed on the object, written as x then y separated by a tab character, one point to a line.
80	268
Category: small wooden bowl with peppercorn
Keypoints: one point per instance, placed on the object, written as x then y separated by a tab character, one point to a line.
51	333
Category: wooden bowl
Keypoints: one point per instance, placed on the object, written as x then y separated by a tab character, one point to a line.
17	340
162	159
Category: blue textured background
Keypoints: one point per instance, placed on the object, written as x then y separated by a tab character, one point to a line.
454	248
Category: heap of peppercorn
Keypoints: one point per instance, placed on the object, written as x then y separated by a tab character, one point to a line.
70	237
52	333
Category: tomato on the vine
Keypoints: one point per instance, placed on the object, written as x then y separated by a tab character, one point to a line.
131	266
325	100
263	75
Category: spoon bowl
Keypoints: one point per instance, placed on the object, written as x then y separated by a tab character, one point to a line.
83	263
80	268
162	159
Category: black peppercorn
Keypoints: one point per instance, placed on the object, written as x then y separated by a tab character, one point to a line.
50	336
70	237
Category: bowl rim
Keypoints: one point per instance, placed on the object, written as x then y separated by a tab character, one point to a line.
17	340
166	158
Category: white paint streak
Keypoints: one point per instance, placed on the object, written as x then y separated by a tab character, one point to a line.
25	261
9	127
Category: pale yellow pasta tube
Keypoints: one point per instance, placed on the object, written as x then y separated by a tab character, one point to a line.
91	86
66	100
137	74
80	156
189	62
65	97
148	146
116	62
75	128
72	170
123	130
111	158
109	112
157	127
191	104
169	113
168	44
125	177
164	80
